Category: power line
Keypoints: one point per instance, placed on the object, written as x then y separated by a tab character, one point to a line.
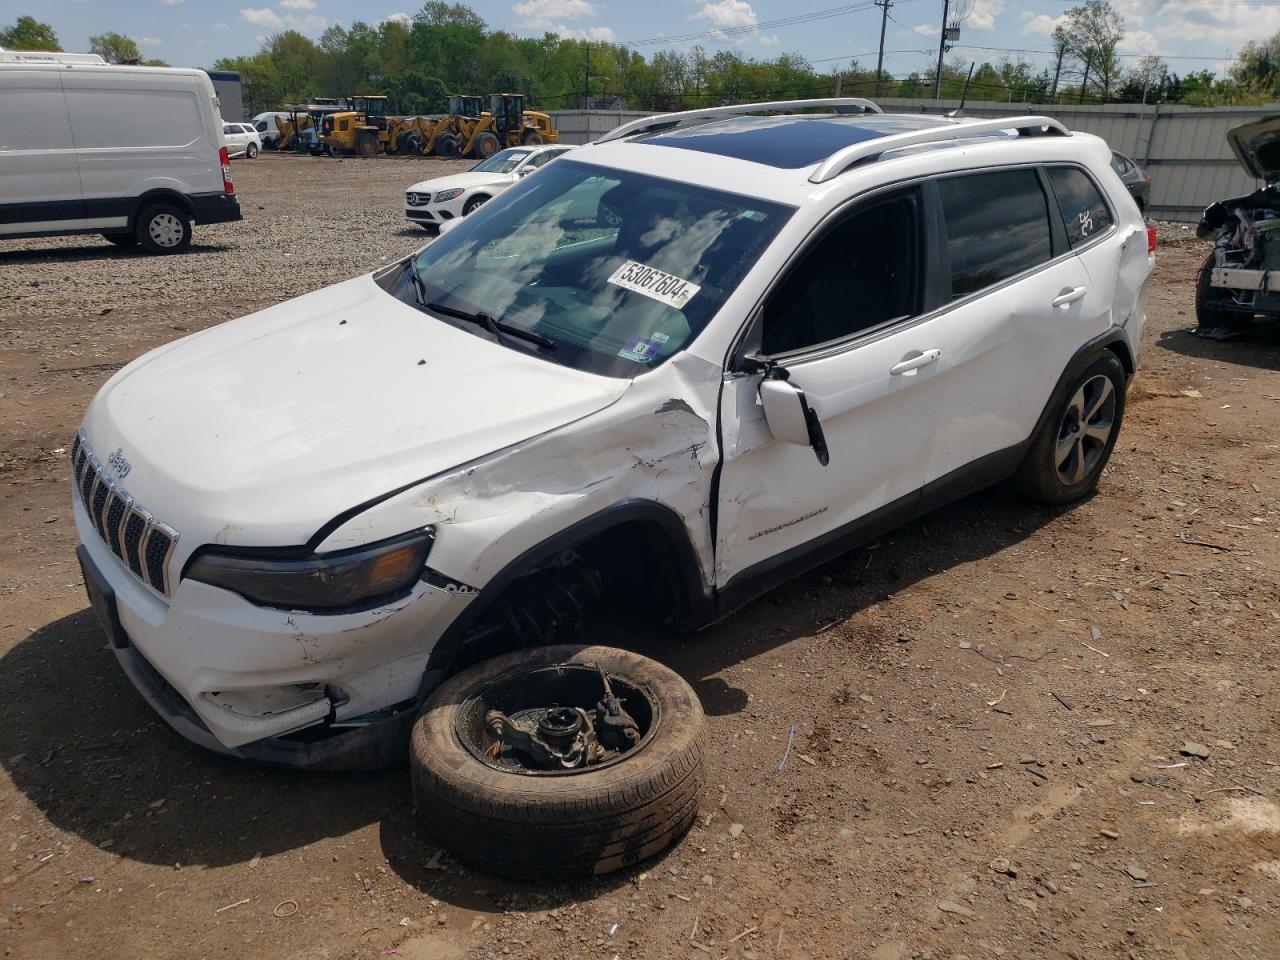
749	28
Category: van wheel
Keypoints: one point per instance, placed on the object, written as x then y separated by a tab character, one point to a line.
251	151
518	770
120	239
1067	456
163	228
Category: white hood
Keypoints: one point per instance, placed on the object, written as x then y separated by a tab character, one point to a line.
462	180
259	431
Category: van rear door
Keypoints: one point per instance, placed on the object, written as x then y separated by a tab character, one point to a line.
39	180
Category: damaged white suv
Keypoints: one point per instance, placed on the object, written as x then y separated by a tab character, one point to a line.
704	354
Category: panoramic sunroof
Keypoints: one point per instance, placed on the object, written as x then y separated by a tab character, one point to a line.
788	142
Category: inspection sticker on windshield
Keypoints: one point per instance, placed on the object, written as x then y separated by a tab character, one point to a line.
664	287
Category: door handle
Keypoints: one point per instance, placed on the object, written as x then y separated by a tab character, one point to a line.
922	359
1068	296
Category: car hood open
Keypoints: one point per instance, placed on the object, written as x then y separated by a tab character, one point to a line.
1257	146
261	430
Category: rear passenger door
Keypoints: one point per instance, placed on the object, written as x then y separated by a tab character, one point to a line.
1012	316
39	181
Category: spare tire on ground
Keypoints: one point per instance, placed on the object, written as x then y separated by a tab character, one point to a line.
524	766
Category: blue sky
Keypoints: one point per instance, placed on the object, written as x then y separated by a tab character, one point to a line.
1195	34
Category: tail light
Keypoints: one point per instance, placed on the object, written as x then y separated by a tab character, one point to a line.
1151	237
225	160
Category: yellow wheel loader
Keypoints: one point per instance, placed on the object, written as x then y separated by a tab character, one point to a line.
362	129
505	124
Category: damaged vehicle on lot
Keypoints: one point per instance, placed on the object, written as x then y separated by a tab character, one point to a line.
1240	278
676	368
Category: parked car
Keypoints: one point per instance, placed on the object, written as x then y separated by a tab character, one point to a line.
764	340
242	140
1136	180
441	199
133	153
1240	278
265	126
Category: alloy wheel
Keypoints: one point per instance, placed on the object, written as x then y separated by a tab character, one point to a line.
1085	430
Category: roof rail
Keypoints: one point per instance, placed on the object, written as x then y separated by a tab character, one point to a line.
842	160
669	121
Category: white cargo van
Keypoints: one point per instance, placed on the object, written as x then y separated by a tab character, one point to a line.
133	153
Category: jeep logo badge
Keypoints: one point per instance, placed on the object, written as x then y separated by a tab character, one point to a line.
119	464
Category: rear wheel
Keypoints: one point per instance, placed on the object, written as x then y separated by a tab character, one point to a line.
447	145
520	770
531	136
163	228
367	145
251	151
487	145
1067	456
1210	312
411	144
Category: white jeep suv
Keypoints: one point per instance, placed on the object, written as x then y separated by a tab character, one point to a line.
696	358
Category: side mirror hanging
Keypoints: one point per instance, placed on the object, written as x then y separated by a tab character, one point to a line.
789	415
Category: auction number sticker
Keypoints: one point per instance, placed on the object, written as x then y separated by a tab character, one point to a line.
664	287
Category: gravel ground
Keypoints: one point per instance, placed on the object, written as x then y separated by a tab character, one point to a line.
1020	733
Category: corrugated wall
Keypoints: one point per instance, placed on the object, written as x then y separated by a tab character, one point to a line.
1183	148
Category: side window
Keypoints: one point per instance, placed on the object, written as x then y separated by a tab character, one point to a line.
228	129
1083	208
1119	164
996	226
538	159
863	273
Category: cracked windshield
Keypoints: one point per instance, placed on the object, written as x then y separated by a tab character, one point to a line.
605	271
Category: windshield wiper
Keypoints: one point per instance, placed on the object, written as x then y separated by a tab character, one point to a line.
419	288
500	329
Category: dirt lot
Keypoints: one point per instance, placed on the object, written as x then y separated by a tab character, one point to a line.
990	706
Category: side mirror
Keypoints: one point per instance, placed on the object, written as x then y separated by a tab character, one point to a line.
789	415
525	171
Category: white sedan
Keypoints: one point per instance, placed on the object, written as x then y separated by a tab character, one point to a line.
433	202
242	140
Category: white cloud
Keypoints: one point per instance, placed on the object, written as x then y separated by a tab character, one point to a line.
768	40
602	34
984	13
541	14
297	4
399	17
727	13
149	41
926	29
1231	24
172	3
1041	24
266	17
1139	41
261	17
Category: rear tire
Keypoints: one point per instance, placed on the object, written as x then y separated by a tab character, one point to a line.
1067	456
531	138
163	228
447	145
251	151
1209	313
367	145
487	144
588	822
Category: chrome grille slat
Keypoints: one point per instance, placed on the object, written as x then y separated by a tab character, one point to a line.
138	539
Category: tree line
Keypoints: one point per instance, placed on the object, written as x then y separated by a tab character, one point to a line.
448	48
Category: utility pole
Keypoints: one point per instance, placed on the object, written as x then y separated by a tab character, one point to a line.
586	75
884	6
1057	72
942	49
1084	84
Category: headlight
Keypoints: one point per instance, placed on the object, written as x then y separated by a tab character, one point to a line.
444	195
326	581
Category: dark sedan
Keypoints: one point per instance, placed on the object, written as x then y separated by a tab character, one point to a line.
1136	180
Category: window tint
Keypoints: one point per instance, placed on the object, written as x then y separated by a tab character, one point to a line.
1082	206
997	225
863	273
227	128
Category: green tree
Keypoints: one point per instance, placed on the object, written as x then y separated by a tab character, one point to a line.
115	48
1257	68
28	33
1091	33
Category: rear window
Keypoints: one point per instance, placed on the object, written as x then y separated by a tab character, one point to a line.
997	226
1083	208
